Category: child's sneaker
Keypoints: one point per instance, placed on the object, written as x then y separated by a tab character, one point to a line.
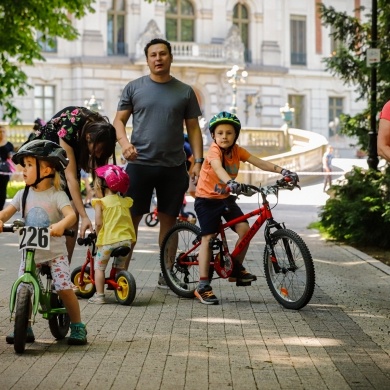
30	336
78	334
161	282
98	299
240	273
206	296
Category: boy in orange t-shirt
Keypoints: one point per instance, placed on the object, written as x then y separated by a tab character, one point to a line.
221	167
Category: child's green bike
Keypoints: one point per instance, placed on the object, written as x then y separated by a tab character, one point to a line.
45	300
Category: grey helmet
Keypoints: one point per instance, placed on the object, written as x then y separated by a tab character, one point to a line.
43	150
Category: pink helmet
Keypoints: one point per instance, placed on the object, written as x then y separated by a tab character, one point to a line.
116	178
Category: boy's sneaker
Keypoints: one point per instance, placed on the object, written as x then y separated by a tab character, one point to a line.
78	334
240	273
98	299
30	336
206	296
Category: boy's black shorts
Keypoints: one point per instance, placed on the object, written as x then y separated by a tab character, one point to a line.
210	211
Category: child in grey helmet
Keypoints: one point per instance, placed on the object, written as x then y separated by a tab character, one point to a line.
221	168
46	205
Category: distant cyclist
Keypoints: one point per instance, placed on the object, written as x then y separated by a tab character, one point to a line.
221	168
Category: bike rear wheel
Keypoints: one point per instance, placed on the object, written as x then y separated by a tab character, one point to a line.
58	323
88	288
22	315
151	219
181	278
291	278
126	281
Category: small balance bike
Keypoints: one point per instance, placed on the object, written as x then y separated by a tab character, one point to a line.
45	300
121	281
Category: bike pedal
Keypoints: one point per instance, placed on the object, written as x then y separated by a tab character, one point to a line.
242	283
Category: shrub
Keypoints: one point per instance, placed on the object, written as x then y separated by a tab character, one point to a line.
13	187
358	211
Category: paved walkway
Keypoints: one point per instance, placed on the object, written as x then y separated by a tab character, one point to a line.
339	341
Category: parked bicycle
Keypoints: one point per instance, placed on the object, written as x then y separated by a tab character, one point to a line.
45	300
151	219
121	281
288	264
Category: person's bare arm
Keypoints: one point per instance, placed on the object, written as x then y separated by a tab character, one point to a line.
128	150
383	144
196	142
57	229
98	217
74	188
264	165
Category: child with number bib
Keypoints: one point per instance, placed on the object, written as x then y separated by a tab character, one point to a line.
44	204
113	222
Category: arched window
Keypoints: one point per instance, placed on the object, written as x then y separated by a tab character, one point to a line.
116	28
241	20
180	21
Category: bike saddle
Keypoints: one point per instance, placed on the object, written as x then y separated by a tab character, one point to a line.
121	251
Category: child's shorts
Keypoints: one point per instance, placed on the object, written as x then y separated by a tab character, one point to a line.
104	253
60	272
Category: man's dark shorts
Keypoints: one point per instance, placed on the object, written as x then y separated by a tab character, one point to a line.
210	211
171	184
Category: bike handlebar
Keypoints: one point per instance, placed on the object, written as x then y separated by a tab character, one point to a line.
17	224
87	240
284	183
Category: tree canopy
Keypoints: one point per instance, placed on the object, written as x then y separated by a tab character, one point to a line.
21	20
354	37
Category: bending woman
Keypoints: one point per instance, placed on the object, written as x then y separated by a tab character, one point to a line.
89	141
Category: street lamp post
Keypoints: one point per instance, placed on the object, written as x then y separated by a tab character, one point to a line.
93	104
234	78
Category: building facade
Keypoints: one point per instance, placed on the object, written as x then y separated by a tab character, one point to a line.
252	56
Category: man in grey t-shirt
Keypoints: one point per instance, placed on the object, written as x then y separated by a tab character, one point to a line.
159	104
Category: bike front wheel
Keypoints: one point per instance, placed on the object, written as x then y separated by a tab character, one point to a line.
126	295
58	323
87	289
22	315
290	275
151	219
179	258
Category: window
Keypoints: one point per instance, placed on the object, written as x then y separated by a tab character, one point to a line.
297	102
335	44
48	44
298	40
44	101
335	110
180	21
241	20
116	28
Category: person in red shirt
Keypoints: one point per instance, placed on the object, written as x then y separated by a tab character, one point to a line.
383	144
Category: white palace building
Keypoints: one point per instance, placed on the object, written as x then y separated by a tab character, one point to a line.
252	55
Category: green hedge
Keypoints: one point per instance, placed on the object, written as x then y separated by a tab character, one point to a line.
14	187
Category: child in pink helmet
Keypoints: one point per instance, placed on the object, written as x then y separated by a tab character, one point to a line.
113	223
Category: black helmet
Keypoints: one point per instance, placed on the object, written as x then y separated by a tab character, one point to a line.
225	117
43	150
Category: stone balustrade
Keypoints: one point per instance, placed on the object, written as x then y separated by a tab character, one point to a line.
305	150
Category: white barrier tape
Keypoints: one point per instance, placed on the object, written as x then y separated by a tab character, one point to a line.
11	173
300	173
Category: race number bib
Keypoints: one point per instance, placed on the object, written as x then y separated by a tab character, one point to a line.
31	237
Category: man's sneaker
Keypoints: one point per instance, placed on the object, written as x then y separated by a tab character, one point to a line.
30	336
78	334
161	281
240	273
206	296
98	299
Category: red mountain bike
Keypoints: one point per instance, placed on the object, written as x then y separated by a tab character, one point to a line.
288	265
